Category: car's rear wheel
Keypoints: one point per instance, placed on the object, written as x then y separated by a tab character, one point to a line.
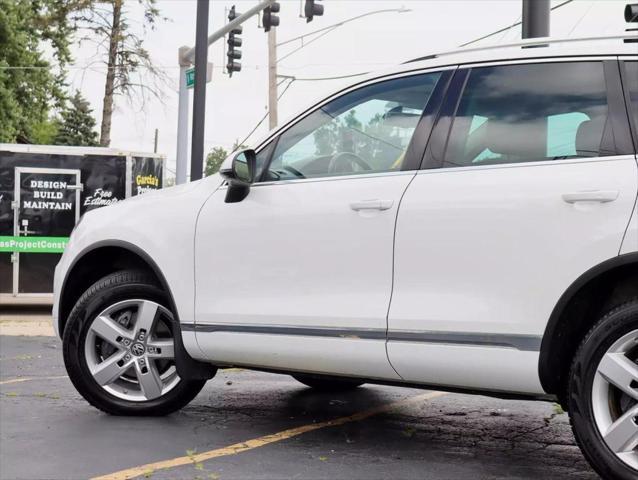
119	349
327	384
603	394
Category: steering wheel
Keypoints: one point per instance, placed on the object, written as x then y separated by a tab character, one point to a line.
340	162
294	171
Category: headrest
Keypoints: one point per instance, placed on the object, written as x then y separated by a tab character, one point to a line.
518	139
588	138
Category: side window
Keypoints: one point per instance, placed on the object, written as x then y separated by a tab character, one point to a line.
262	158
631	70
530	112
364	131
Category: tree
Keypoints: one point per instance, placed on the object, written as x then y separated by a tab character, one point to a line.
214	160
44	132
217	156
30	85
76	126
129	69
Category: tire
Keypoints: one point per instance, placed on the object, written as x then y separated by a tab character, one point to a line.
597	405
327	384
125	294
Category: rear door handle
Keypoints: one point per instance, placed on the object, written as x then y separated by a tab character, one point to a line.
371	205
600	196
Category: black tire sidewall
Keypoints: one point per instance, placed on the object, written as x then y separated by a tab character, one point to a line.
114	288
605	333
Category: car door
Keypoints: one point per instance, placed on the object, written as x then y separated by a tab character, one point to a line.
629	71
532	185
298	275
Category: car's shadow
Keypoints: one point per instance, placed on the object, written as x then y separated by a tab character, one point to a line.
526	436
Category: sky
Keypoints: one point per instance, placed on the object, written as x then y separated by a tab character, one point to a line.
235	105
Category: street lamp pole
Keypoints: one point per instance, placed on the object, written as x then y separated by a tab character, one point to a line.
535	18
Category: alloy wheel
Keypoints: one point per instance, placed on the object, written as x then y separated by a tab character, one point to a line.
615	398
130	352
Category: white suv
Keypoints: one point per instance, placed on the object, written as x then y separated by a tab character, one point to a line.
465	222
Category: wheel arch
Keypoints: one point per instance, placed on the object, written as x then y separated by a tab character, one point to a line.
586	299
99	260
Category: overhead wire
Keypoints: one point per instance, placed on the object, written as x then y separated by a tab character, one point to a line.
292	80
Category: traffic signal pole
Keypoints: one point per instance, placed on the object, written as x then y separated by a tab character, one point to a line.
199	96
535	18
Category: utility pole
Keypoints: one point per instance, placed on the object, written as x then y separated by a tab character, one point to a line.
199	97
535	18
156	140
272	78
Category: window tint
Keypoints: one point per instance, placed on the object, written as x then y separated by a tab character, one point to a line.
531	112
262	158
364	131
631	69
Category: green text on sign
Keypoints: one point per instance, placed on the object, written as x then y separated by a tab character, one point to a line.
33	244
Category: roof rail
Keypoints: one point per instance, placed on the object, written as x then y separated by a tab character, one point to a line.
527	43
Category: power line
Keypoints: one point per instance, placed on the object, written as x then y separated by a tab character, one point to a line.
306	44
292	80
318	79
501	30
580	19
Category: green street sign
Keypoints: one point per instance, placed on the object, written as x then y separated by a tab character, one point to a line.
190	77
33	244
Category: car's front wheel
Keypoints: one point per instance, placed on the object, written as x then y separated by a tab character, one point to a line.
603	394
119	350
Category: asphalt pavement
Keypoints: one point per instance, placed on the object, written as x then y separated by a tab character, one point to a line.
249	425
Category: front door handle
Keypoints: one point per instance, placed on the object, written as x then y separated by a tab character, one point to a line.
371	205
600	196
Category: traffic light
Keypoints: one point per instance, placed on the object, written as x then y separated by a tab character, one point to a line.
270	20
234	41
311	9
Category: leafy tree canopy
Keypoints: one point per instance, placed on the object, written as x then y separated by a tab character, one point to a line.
77	125
216	157
214	160
29	84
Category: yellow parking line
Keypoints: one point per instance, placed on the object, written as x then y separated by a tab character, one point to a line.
261	441
28	379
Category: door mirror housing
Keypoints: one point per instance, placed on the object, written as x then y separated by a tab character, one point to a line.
239	171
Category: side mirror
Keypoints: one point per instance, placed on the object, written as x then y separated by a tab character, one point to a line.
240	175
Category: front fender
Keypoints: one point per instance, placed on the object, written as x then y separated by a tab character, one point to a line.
161	225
